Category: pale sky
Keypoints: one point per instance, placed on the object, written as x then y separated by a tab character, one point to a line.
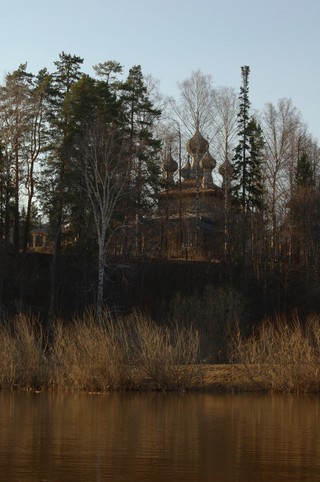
278	39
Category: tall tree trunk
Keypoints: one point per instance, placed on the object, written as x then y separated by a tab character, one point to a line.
16	227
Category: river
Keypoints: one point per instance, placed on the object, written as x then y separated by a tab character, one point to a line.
124	437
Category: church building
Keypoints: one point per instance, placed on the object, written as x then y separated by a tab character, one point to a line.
192	205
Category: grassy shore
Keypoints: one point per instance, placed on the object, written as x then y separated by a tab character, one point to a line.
134	353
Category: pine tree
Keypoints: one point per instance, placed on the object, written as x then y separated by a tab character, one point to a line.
56	170
55	173
16	113
144	175
89	102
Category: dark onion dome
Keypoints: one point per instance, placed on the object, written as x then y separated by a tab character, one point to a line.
197	145
226	170
186	170
208	162
169	164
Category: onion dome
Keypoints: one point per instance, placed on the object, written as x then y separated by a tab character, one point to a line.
197	145
186	171
169	164
208	162
226	170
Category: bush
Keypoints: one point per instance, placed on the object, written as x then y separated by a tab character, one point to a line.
215	313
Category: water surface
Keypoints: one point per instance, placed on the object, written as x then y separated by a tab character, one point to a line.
159	437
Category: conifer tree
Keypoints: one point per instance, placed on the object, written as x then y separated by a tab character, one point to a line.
145	168
15	119
303	173
240	161
246	183
247	162
55	173
88	103
68	72
254	165
303	218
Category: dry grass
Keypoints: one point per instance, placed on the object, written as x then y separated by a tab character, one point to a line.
282	356
135	353
111	354
86	355
23	362
166	355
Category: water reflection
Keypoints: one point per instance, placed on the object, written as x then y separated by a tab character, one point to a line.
158	437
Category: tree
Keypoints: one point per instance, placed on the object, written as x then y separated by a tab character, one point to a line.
88	101
282	130
103	167
53	184
226	107
304	176
35	141
57	163
255	162
304	208
247	186
240	188
143	179
247	172
108	72
195	107
16	112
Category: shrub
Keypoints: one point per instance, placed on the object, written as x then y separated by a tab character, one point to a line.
215	313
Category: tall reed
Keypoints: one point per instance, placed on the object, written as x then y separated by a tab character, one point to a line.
282	355
167	356
23	363
111	353
87	355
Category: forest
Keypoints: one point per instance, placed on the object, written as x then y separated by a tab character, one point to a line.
81	161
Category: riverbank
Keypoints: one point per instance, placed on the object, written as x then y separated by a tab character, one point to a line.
210	377
134	353
224	378
240	378
206	378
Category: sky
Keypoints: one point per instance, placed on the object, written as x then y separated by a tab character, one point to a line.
278	39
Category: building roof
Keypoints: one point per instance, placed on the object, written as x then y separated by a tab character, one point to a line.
190	188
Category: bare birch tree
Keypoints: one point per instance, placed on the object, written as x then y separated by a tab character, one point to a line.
281	126
103	167
195	107
226	106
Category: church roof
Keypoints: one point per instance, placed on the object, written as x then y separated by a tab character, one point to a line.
190	188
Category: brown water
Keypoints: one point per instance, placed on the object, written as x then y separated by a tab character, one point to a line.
159	437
